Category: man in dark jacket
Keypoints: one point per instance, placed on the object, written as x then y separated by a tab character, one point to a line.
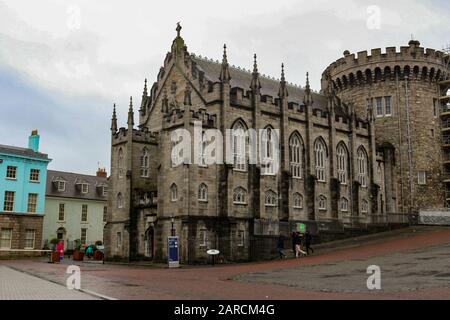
308	239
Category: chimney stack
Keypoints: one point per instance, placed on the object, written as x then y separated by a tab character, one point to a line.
101	173
33	141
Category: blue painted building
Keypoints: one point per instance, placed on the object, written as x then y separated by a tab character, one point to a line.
23	176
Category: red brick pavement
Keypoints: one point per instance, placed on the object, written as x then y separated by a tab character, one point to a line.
131	282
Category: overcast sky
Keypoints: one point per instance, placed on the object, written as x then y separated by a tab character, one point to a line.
64	63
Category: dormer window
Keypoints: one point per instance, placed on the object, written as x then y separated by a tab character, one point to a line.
59	184
102	189
84	188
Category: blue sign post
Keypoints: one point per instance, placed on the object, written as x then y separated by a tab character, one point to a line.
173	252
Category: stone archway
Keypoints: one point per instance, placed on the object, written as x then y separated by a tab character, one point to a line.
149	243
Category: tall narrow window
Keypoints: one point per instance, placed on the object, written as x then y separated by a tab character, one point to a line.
145	163
32	202
379	103
30	236
83	237
422	178
239	146
240	238
119	201
119	240
362	167
342	157
173	192
105	213
295	156
322	203
61	213
11	172
34	175
387	106
84	213
344	205
268	149
120	163
435	107
320	158
5	238
9	201
203	193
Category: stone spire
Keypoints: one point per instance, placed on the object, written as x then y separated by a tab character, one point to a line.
130	114
145	93
256	84
225	71
307	99
114	120
282	92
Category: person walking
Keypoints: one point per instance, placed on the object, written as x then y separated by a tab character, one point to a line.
280	247
308	239
298	245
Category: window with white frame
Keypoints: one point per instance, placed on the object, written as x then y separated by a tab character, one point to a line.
240	238
298	201
203	193
362	167
5	238
295	156
84	213
344	205
342	158
60	185
173	192
85	188
32	202
145	163
120	163
104	191
83	237
119	201
320	158
322	203
268	149
35	175
387	106
240	196
422	178
9	201
61	212
239	146
11	172
30	236
379	106
270	199
365	206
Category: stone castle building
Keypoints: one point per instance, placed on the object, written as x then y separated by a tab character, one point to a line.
341	163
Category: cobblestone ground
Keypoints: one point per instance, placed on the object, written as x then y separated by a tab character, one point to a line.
16	285
414	265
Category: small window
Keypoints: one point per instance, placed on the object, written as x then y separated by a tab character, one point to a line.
32	202
322	202
387	106
240	196
270	199
119	201
379	104
35	175
145	163
365	206
422	178
104	191
173	192
84	188
30	236
344	205
9	201
61	185
203	193
84	213
240	238
11	172
435	107
105	213
83	236
298	201
5	238
61	213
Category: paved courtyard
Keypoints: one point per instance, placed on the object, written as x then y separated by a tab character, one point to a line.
414	265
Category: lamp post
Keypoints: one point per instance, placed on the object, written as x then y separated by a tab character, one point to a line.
172	220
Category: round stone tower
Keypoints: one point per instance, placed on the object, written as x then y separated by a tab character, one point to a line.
403	90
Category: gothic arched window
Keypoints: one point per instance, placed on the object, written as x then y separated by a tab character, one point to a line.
342	163
295	156
269	152
203	192
145	163
322	203
270	199
240	196
362	166
239	146
173	192
119	201
298	201
320	155
365	206
120	163
344	205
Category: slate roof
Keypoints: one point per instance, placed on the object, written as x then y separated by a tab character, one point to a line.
242	79
72	191
25	152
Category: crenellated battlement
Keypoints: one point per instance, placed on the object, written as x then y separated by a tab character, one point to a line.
411	61
139	135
